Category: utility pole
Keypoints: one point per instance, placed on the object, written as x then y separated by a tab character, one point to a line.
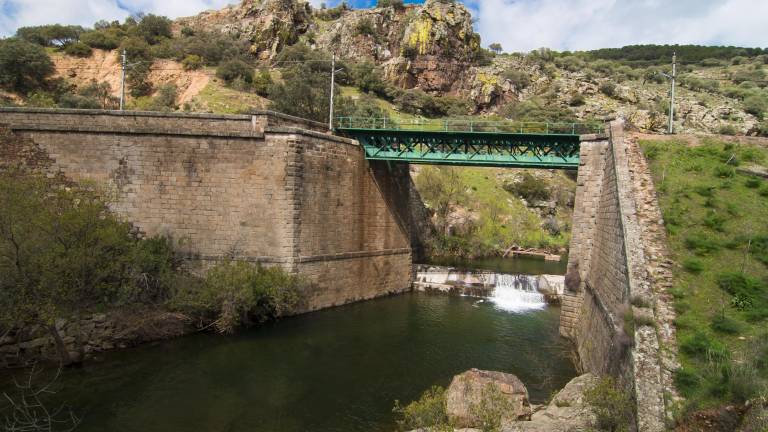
333	83
672	94
123	65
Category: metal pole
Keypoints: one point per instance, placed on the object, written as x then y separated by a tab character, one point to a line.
672	95
122	81
333	82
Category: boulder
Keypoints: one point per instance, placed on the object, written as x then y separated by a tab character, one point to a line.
567	412
468	389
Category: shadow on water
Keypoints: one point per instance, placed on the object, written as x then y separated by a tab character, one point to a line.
334	370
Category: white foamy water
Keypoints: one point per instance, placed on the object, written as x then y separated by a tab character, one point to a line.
517	293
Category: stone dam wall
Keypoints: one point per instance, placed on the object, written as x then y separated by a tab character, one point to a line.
266	188
608	255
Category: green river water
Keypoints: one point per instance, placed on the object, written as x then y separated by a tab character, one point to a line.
334	370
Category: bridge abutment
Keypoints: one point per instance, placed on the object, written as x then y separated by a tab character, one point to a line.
265	188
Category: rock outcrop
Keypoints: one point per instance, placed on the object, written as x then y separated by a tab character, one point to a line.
470	390
437	49
268	25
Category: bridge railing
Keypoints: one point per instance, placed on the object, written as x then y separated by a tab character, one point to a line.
468	125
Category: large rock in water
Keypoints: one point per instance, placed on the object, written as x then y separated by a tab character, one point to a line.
467	390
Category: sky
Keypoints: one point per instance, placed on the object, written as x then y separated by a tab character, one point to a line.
518	25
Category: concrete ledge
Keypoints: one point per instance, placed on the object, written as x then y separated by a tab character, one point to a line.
352	255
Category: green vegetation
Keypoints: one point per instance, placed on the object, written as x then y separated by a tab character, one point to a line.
714	215
24	66
63	253
480	212
610	404
429	411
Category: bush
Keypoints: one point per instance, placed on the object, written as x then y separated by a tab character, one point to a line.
520	79
703	347
231	70
91	259
693	265
153	28
687	381
192	62
529	187
611	406
724	171
365	27
756	105
78	49
701	244
102	39
397	4
490	409
576	99
262	83
24	66
429	411
723	324
237	293
608	89
50	35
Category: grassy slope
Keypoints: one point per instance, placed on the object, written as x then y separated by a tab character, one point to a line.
703	197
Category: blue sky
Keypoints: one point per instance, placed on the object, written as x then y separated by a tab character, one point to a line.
519	25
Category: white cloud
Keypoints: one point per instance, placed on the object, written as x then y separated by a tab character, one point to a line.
523	25
19	13
519	25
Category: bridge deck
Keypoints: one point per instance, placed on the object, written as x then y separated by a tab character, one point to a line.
468	142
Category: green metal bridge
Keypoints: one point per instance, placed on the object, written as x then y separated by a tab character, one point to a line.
469	142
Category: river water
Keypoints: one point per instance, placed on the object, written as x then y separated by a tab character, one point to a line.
334	370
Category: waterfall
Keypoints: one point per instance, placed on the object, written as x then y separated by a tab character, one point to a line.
517	293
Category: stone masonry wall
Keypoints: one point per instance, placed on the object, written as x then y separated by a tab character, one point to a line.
614	284
266	188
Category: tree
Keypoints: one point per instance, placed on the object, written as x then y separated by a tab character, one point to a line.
24	66
62	252
231	70
50	35
305	90
496	48
442	188
153	28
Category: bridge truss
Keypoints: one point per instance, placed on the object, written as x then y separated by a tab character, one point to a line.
464	142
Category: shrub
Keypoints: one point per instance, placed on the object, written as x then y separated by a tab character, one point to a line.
262	82
701	244
702	346
611	406
520	79
50	35
687	381
78	49
429	411
237	293
529	187
365	27
715	221
724	171
490	409
577	99
608	89
723	324
153	27
727	129
397	4
106	39
231	70
693	265
24	66
192	62
756	105
753	183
